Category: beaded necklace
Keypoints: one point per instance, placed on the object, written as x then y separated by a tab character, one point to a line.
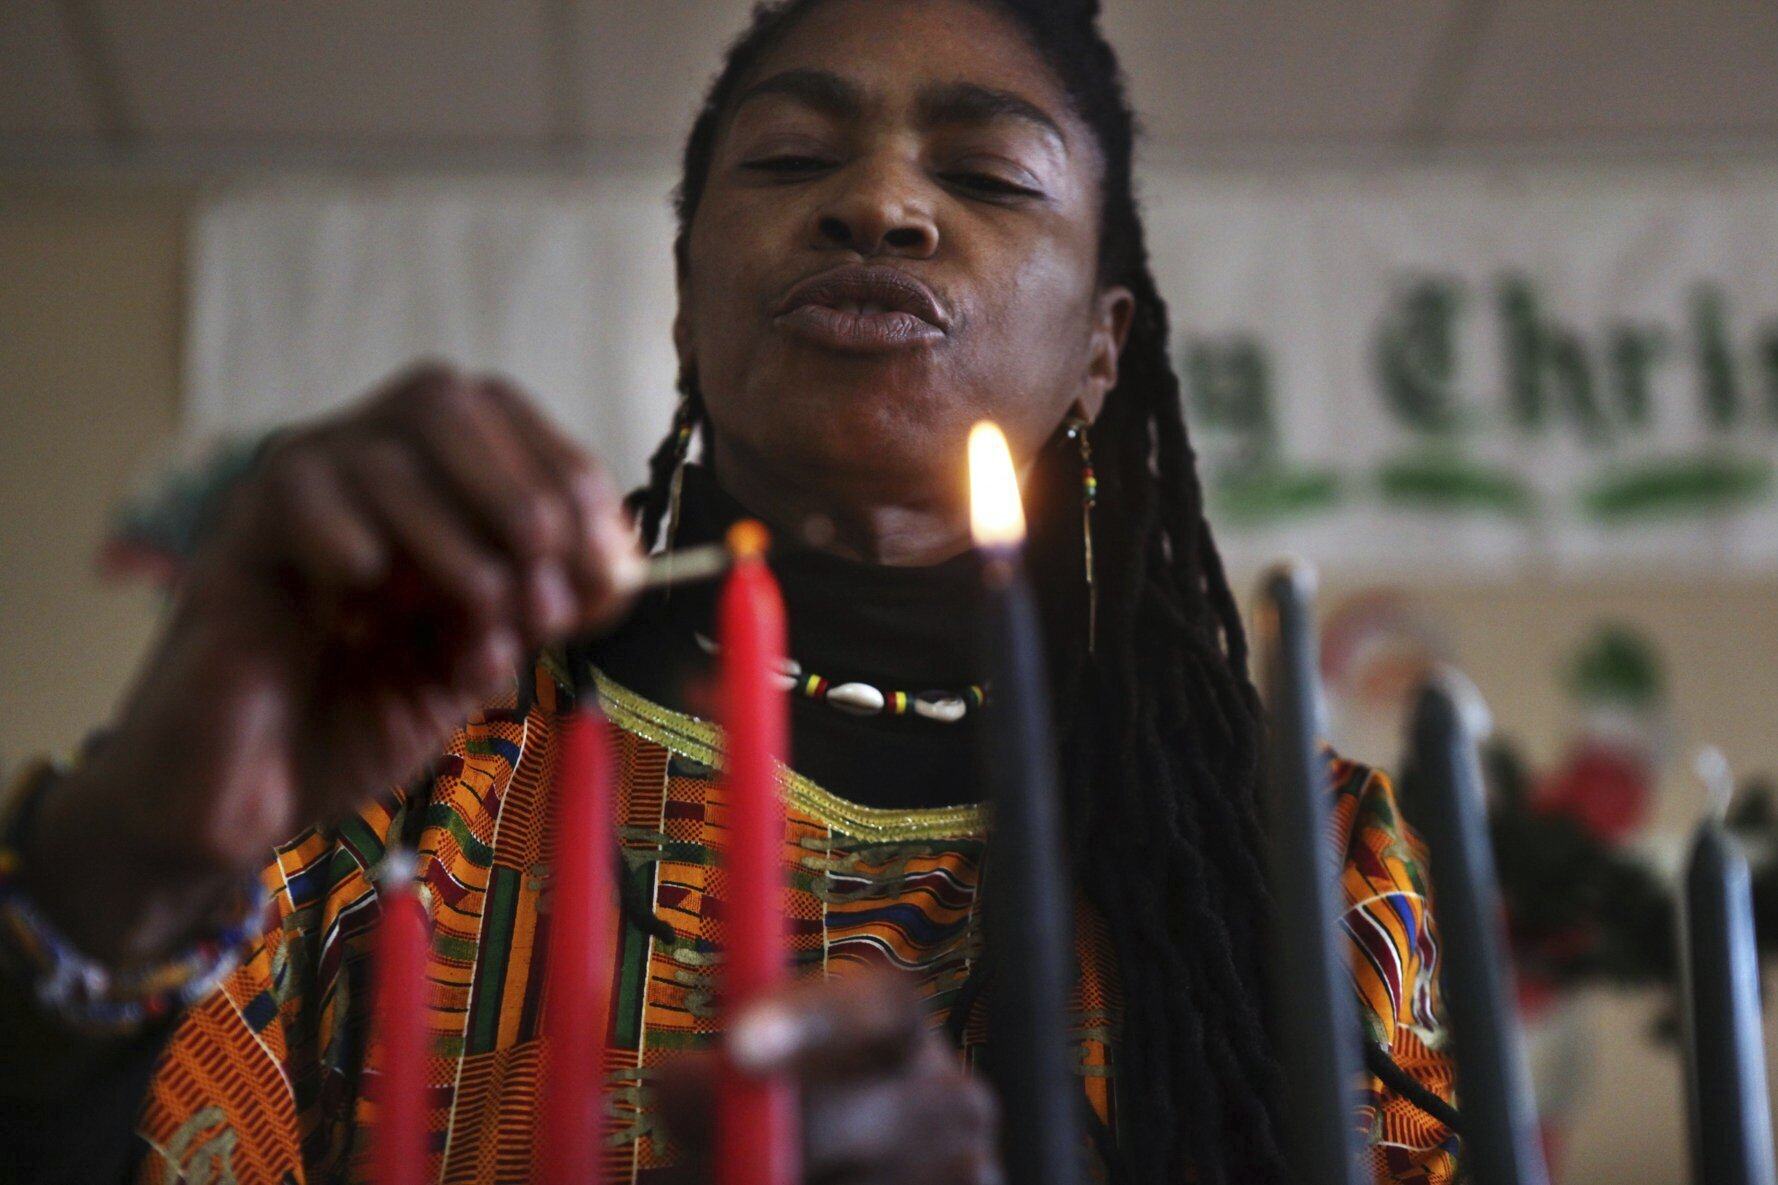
864	699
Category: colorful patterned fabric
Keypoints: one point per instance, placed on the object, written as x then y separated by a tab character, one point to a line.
1395	971
266	1079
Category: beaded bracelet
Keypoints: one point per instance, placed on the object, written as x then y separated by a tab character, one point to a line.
79	990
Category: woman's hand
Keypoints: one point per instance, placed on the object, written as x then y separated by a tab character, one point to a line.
379	575
883	1099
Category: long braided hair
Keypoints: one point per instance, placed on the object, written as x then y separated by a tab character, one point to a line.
1160	724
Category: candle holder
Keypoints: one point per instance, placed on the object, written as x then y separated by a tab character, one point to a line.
1315	1026
1500	1135
1730	1111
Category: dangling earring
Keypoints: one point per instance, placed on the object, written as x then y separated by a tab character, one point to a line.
682	434
1075	428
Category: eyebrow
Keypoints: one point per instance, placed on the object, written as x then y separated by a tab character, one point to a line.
972	103
826	92
944	103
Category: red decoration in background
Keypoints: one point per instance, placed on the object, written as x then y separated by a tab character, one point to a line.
1605	786
581	952
756	1140
1607	778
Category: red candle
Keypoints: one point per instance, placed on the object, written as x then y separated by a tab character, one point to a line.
583	931
399	1155
756	1140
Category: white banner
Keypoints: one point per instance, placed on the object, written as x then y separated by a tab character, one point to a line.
1479	371
305	294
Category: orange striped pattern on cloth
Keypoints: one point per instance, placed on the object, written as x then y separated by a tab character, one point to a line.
266	1079
1394	948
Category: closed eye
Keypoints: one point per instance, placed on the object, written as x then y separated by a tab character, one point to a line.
987	183
788	165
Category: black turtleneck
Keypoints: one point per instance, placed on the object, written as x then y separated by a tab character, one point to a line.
897	628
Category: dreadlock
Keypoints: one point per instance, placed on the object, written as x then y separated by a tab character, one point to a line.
1160	722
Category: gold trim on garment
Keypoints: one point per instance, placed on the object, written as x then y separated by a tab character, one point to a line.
701	741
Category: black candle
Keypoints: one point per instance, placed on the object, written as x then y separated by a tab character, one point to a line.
1731	1125
1314	1021
1029	906
1500	1138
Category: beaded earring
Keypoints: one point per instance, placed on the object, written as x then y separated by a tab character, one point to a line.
683	428
1075	428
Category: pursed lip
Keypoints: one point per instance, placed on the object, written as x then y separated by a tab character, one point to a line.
863	308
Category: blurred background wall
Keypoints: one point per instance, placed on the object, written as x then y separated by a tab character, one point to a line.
126	125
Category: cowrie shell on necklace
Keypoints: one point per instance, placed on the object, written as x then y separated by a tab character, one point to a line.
863	699
860	699
940	706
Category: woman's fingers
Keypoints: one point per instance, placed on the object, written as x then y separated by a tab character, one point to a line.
928	1122
449	519
903	1138
475	454
539	502
817	1029
883	1100
602	540
304	505
472	441
454	591
428	531
881	1128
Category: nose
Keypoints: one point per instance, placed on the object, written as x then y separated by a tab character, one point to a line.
878	211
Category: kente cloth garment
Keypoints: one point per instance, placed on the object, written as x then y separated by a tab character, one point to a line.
270	1079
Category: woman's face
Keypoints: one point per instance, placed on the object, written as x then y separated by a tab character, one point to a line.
898	238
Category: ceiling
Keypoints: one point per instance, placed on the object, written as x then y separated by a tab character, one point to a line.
205	84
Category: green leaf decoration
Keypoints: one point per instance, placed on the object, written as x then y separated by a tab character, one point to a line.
1270	492
1678	487
1617	665
1447	483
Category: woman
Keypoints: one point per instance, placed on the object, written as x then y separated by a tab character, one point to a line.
896	218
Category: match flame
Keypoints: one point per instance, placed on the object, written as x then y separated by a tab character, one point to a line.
996	517
748	539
